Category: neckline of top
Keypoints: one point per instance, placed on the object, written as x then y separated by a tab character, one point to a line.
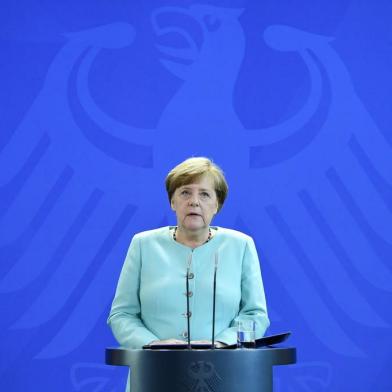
204	245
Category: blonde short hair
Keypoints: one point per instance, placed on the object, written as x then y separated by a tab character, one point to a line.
191	170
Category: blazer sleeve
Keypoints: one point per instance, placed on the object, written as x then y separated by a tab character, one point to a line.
253	305
125	314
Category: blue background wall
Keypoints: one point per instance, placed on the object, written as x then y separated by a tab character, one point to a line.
98	100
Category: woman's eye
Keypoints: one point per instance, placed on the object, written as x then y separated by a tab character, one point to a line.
185	193
205	194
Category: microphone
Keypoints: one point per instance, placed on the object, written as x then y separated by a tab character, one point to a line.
213	303
187	302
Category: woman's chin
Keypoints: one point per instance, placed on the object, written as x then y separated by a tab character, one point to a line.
195	226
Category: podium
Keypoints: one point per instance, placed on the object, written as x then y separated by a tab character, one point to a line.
217	370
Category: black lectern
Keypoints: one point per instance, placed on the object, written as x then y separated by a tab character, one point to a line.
237	370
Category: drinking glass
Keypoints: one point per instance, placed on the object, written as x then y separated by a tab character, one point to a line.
246	334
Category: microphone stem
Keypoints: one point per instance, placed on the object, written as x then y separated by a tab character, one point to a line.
187	310
213	311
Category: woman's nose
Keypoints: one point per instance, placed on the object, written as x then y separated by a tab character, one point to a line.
194	201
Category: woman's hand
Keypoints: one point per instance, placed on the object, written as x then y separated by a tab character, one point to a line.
201	342
177	341
166	341
217	344
220	344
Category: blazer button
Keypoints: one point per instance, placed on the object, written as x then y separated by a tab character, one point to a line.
189	293
184	334
189	314
191	275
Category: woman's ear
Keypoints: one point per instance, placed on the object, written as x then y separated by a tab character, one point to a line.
172	204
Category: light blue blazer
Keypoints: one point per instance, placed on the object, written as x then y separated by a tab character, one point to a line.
150	300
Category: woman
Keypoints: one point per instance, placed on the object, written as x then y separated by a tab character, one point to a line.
150	302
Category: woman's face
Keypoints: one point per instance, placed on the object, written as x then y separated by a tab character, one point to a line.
195	204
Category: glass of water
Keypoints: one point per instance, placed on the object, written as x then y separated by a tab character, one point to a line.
246	334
